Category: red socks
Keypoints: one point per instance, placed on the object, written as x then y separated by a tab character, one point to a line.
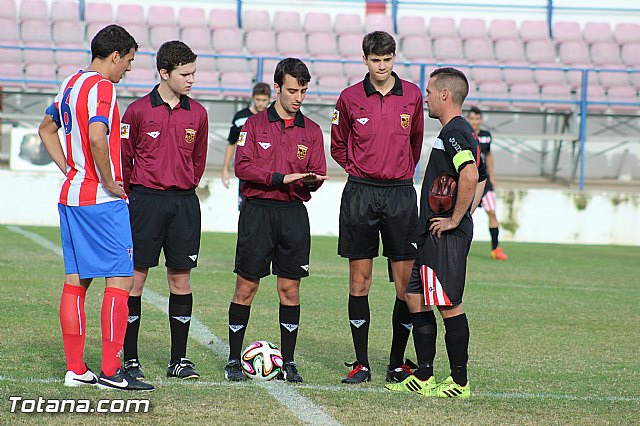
73	322
114	326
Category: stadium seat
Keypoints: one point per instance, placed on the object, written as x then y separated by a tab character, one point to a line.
556	92
478	49
574	78
127	14
160	34
378	22
140	80
140	33
160	16
612	78
411	26
447	48
509	50
347	24
13	71
321	44
256	20
98	13
493	94
533	30
483	75
9	31
440	27
566	32
519	75
417	48
631	54
623	93
199	40
35	31
64	11
8	10
356	70
574	52
41	55
291	44
597	32
44	75
595	93
189	17
286	21
332	84
226	39
233	65
223	18
540	51
260	42
522	95
205	81
471	28
65	71
503	29
605	52
350	45
627	32
78	58
327	69
317	23
412	72
67	32
236	84
33	10
546	77
635	79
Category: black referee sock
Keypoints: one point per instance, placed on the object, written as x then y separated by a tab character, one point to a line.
130	347
289	317
238	320
180	306
359	317
401	324
494	237
457	340
425	331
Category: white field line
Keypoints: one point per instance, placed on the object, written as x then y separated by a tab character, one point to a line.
302	407
362	390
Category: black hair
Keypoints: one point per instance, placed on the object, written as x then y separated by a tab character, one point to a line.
173	54
261	89
295	68
378	43
475	110
454	80
112	38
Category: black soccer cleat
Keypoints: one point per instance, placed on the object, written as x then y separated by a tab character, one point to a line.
359	374
122	381
233	371
399	374
183	369
290	373
133	368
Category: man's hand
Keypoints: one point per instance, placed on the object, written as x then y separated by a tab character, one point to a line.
225	178
439	225
116	188
312	179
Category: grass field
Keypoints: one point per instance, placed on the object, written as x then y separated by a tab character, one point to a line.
554	340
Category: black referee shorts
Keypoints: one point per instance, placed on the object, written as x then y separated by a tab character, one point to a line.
273	233
165	220
371	209
442	278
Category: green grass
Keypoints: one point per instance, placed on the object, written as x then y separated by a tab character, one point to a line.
554	340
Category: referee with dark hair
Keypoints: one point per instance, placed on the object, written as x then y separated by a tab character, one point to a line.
280	159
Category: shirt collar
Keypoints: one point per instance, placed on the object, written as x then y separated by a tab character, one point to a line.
273	116
370	90
156	99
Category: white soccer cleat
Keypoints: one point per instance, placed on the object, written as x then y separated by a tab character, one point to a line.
72	379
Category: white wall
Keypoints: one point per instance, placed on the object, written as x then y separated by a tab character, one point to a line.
534	215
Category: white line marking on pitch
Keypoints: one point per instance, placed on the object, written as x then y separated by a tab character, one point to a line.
302	407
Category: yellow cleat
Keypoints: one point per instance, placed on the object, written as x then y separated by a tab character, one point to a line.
450	389
413	384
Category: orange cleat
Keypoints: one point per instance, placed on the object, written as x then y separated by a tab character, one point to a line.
498	254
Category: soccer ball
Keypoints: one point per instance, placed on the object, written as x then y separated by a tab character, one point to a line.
261	360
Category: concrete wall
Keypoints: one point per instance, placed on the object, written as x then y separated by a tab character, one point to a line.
533	215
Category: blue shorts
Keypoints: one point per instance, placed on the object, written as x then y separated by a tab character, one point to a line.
96	240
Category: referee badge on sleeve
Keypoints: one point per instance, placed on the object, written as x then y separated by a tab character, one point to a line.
405	119
242	139
335	117
124	131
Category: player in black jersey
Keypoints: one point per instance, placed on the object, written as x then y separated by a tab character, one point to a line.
488	197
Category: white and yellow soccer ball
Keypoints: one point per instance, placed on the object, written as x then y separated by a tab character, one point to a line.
261	360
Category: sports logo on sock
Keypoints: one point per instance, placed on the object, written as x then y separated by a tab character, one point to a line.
407	325
357	323
193	257
290	327
133	318
305	267
415	245
236	327
183	319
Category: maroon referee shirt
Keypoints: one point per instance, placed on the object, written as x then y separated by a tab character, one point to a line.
268	149
164	148
375	136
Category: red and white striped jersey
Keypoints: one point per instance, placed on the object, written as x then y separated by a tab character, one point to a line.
85	98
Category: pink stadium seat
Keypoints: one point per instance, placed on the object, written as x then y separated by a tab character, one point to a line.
509	51
321	44
627	33
44	74
64	11
161	16
236	84
127	14
442	27
631	54
411	26
191	17
8	10
574	78
595	93
67	32
223	18
355	71
412	73
520	75
574	52
478	49
533	30
378	22
227	39
520	93
493	94
448	48
139	80
635	80
597	32
199	40
140	33
98	13
623	94
256	20
260	42
470	28
35	31
317	23
9	31
540	51
548	77
291	44
234	65
611	78
486	75
205	81
603	52
65	71
503	29
350	45
566	31
12	71
332	84
78	59
347	24
417	48
556	92
33	10
160	34
286	21
43	54
325	69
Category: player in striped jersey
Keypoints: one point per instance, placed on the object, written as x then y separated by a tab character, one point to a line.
94	218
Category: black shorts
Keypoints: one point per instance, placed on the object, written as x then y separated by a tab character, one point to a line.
273	232
167	220
371	209
442	279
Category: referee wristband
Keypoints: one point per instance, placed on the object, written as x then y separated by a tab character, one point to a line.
277	179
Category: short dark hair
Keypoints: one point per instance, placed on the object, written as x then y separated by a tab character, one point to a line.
295	68
172	54
261	89
454	80
112	38
378	43
475	110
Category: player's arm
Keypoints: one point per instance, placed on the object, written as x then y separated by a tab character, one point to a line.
200	149
48	131
417	131
340	128
128	142
489	157
317	164
477	198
